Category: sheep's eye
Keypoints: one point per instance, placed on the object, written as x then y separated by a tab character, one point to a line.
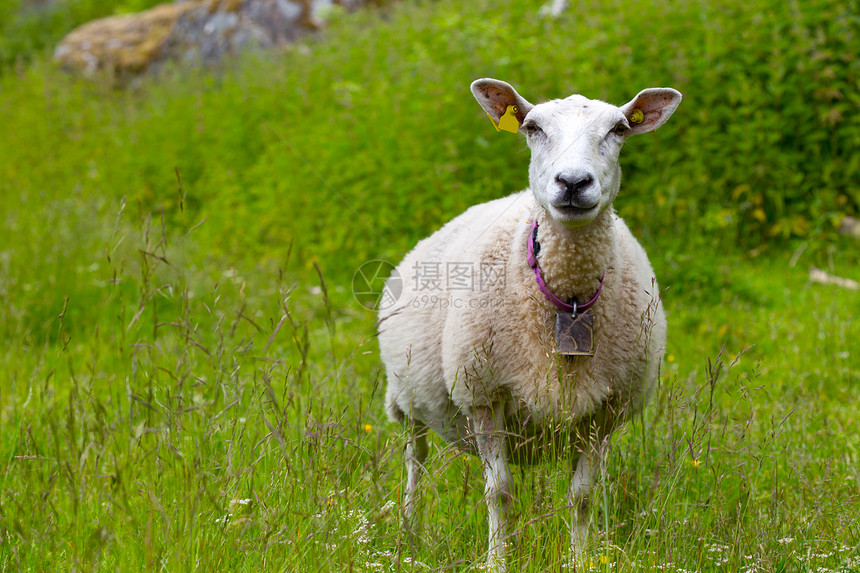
531	127
619	129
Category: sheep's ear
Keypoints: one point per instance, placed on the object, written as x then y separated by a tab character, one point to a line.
650	109
495	96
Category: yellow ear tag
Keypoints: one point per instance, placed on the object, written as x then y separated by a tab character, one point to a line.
508	122
637	116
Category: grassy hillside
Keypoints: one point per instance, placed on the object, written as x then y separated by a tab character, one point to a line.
188	384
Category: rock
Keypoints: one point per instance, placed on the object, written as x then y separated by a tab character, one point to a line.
202	31
127	43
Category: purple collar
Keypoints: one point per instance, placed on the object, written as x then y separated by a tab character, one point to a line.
557	302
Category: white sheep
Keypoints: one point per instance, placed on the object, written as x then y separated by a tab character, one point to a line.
470	347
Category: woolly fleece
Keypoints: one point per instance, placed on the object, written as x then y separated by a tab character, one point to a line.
449	351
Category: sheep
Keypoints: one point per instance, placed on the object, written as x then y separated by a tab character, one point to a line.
470	347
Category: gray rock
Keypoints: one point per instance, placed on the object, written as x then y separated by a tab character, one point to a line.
201	31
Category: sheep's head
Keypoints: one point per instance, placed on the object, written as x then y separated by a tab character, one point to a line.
575	143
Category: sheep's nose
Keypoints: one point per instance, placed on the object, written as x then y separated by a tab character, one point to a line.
574	183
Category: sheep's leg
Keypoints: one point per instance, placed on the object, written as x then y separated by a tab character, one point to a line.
584	476
489	430
415	454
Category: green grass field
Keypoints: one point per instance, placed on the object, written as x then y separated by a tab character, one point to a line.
187	382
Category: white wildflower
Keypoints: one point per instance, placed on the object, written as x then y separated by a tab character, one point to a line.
362	532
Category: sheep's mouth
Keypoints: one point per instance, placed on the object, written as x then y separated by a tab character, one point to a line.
572	212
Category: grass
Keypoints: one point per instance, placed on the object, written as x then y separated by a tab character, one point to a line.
188	384
245	430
